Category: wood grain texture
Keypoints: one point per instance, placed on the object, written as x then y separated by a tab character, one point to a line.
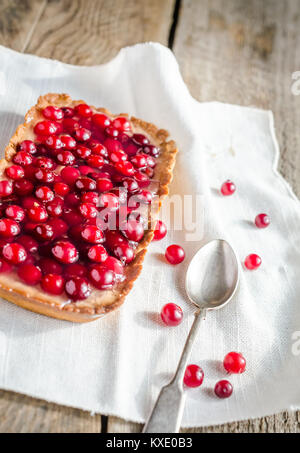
244	52
90	32
18	19
22	414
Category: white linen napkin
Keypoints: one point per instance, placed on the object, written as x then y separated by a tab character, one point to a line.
117	365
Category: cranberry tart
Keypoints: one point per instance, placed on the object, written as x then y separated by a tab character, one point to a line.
80	190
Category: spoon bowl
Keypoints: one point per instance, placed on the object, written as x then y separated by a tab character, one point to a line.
212	276
211	281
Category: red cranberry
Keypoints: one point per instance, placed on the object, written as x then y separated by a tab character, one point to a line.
68	112
142	179
124	253
117	156
92	234
53	142
234	362
28	243
55	207
85	170
27	146
9	228
45	176
68	142
95	161
171	314
104	184
14	253
262	220
72	216
65	158
6	188
15	172
175	254
65	252
109	201
53	284
30	274
37	214
223	389
133	230
228	188
121	123
130	184
101	120
193	376
160	231
59	227
114	265
70	125
60	188
53	113
4	266
22	188
23	158
125	168
140	139
29	201
75	270
15	212
84	110
88	210
144	196
151	150
114	238
97	148
44	232
90	197
131	149
97	253
112	145
46	128
151	162
252	261
50	266
82	134
85	183
44	162
101	277
140	160
43	193
72	199
83	152
77	288
70	175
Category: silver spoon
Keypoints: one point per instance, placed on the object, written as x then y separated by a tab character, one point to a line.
211	281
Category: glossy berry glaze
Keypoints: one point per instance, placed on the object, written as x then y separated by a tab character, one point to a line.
62	196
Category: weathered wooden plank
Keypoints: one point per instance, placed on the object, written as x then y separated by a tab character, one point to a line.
93	31
18	19
22	414
117	425
245	53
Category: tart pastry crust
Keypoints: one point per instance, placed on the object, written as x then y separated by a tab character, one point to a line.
99	302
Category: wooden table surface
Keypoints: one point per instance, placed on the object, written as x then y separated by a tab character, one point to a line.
237	51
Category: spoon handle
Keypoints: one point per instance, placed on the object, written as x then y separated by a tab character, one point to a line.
167	413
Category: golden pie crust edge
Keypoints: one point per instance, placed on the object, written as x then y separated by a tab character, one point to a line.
85	311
